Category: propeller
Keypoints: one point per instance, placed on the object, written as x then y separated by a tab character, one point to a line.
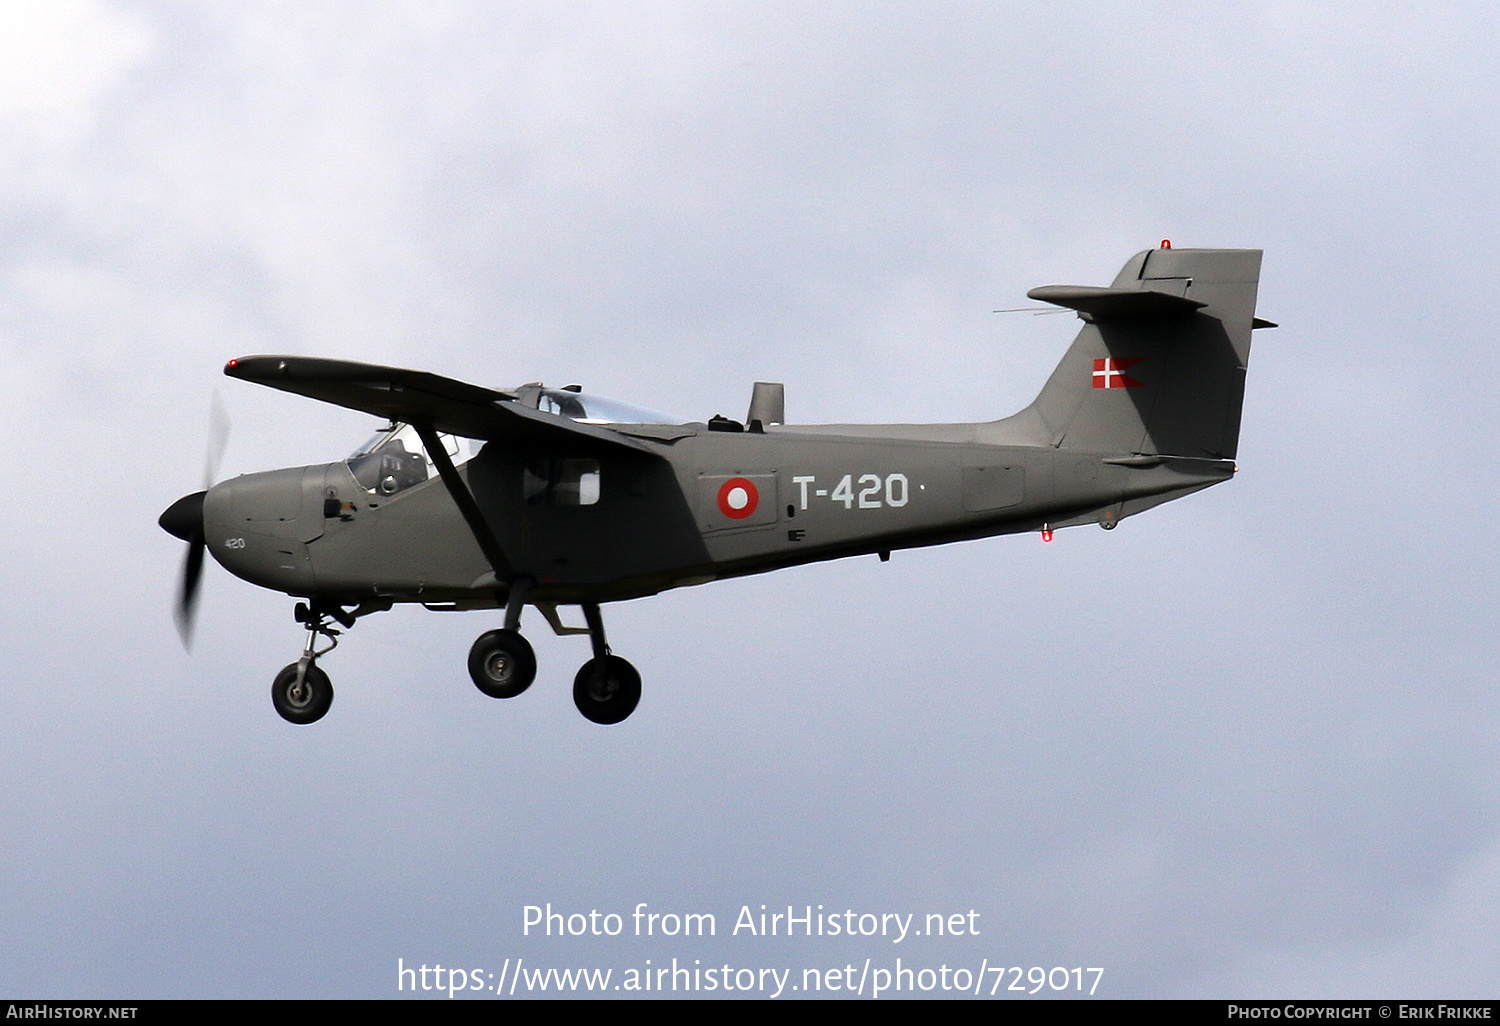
184	519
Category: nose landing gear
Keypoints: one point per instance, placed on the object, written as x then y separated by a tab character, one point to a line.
301	692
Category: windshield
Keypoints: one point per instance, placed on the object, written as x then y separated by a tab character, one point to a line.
595	409
393	459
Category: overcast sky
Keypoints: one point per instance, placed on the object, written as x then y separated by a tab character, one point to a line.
1244	745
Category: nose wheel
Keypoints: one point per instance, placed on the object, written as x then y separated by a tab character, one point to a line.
303	700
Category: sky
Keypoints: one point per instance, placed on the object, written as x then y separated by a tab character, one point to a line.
1244	745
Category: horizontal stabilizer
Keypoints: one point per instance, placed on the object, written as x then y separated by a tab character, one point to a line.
1114	304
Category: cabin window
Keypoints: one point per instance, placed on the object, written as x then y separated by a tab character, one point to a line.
560	482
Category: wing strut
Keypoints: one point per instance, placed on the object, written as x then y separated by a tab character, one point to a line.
488	543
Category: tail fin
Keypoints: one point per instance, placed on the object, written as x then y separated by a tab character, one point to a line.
1160	366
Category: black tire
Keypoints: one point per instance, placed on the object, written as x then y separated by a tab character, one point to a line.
311	704
607	689
502	664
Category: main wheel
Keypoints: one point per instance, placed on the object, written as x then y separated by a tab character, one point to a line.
502	664
306	704
607	689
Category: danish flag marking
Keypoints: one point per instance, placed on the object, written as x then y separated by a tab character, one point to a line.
1108	373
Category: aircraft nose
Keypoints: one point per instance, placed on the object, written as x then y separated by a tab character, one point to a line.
184	518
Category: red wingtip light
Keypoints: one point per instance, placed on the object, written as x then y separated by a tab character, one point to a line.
1166	243
1047	534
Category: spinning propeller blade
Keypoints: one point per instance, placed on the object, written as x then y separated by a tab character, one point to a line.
218	440
184	519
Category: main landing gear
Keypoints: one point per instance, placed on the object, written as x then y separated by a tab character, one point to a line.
607	687
502	664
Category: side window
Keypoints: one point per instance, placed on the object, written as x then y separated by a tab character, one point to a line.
560	482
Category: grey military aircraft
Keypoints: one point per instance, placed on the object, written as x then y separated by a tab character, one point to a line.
479	498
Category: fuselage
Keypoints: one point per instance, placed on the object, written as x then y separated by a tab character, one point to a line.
593	524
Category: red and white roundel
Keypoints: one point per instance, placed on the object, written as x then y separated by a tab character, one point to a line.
738	498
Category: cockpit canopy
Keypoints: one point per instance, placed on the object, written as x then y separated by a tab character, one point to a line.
596	409
393	459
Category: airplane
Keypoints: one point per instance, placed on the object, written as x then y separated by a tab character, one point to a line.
478	498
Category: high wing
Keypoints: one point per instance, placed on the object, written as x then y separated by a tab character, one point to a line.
417	397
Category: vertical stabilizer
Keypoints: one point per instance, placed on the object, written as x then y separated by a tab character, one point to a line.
1159	367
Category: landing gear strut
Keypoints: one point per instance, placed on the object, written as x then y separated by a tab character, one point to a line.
301	692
